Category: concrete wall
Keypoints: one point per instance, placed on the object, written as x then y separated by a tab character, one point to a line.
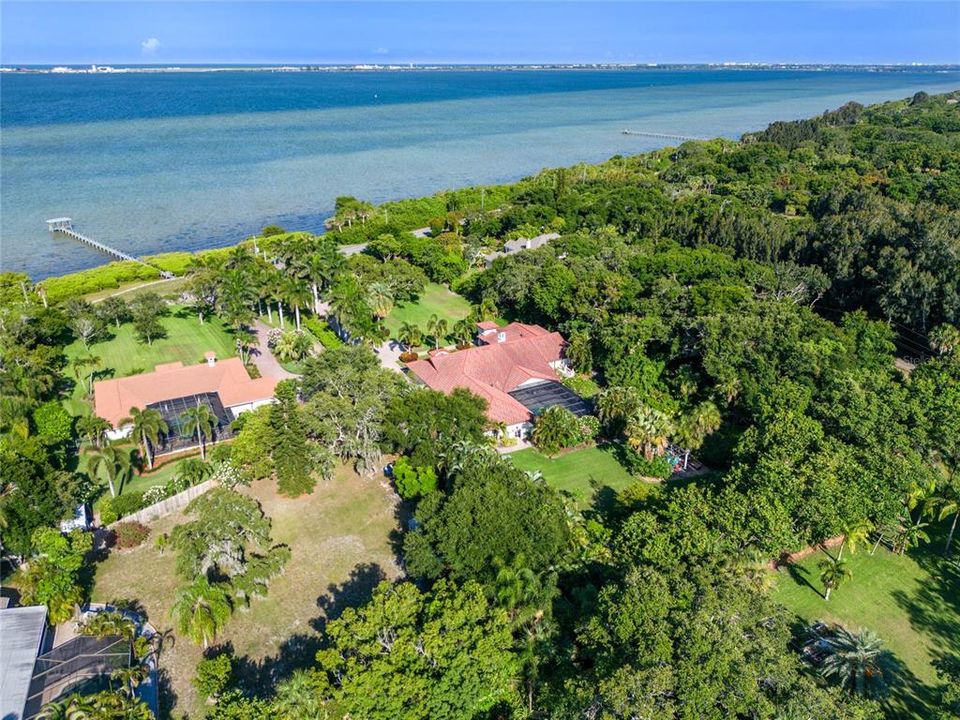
170	505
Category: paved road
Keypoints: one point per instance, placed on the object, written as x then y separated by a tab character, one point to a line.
266	363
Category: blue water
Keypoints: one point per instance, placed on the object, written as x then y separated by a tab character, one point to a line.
169	161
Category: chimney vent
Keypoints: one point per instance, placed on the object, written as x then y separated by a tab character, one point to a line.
501	337
211	358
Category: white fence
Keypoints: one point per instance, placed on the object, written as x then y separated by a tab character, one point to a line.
169	505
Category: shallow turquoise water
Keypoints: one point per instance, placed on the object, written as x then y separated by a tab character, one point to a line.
159	162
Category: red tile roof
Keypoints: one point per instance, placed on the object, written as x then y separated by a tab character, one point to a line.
228	378
494	369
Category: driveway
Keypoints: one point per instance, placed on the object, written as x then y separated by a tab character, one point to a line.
389	354
266	363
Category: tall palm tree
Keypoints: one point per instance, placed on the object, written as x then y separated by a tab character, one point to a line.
615	405
111	464
649	430
380	296
199	421
296	293
832	575
86	361
410	335
93	429
857	660
201	610
437	329
854	535
148	426
694	428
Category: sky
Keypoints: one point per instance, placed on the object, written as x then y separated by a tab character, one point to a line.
161	32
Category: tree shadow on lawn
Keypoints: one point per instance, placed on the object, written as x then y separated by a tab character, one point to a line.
261	676
799	575
352	592
933	607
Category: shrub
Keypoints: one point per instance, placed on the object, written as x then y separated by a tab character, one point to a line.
112	509
413	482
582	386
53	422
104	277
589	428
321	330
273	337
408	356
637	464
130	534
157	493
213	675
556	428
228	476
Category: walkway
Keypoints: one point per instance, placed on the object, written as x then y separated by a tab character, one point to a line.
266	363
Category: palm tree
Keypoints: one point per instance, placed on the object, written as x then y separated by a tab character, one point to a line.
615	405
909	535
291	345
855	534
148	426
649	430
200	421
946	501
130	678
380	296
201	610
107	624
94	429
858	660
297	294
86	361
410	335
832	575
114	464
463	332
437	329
298	698
694	428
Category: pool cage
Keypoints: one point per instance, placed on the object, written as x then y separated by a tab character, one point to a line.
81	665
177	437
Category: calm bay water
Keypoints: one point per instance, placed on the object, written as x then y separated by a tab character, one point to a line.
172	161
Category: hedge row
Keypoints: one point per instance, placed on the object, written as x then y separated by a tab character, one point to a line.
327	337
114	274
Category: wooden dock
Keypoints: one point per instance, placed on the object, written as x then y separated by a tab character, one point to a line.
64	226
660	136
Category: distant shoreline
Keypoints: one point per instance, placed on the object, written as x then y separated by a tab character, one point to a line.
107	69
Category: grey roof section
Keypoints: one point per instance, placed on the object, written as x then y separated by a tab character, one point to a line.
540	396
21	631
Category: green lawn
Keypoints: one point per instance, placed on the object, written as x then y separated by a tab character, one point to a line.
580	473
912	602
434	300
187	340
341	541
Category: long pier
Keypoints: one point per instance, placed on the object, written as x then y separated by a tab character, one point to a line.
64	226
662	136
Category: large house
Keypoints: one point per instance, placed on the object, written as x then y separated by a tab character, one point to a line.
224	386
516	369
511	247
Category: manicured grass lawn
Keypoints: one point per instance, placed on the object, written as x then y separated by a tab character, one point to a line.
580	473
912	602
434	300
340	538
187	340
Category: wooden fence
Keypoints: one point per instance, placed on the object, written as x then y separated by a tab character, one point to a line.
169	505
